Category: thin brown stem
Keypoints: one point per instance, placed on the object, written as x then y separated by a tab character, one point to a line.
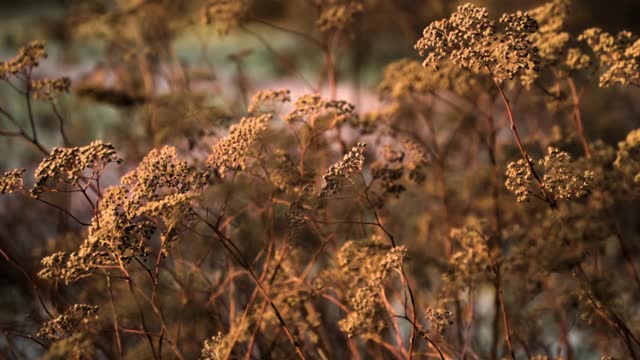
523	151
577	117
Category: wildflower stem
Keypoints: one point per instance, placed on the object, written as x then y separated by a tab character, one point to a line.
523	151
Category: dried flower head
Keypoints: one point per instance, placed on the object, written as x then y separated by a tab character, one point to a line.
28	57
577	60
76	166
76	318
154	199
628	156
562	179
225	15
266	99
366	316
11	181
213	348
619	56
471	41
338	173
48	89
313	107
231	151
473	259
518	179
338	15
439	319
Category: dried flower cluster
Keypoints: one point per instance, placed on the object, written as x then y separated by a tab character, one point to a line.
341	172
551	18
439	319
365	265
313	107
77	166
48	89
472	41
76	318
28	57
473	258
242	240
11	181
231	151
338	15
153	199
225	15
562	179
619	56
519	178
267	98
628	156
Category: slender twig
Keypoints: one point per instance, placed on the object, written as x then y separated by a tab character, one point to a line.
578	117
496	271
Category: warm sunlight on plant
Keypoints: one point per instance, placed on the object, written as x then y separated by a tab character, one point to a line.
483	204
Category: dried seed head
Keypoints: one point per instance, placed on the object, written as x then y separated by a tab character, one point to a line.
266	99
231	151
336	176
11	181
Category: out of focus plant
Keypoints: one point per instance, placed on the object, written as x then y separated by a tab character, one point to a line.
285	226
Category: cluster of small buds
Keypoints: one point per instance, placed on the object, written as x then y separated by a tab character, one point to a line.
68	166
312	106
465	37
516	54
518	179
439	319
266	99
415	161
28	56
628	156
618	56
11	181
76	318
231	151
549	39
562	179
48	89
54	267
338	173
225	15
155	197
552	15
338	15
391	261
160	170
473	259
471	41
366	316
213	349
358	259
577	60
